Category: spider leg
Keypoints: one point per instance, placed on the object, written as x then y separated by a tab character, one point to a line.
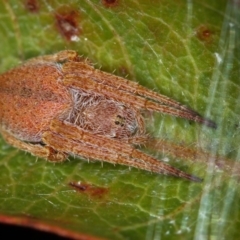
72	140
87	84
35	149
84	69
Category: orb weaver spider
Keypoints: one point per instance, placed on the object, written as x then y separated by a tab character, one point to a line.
58	105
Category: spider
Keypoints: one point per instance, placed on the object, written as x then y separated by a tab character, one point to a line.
58	105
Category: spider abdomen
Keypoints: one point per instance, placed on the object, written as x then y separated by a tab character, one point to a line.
103	116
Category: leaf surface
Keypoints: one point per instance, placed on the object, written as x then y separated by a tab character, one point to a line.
186	50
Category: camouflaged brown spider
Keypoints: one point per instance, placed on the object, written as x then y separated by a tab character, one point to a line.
58	105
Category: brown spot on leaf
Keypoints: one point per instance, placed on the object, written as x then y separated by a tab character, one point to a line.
32	6
89	189
67	23
110	3
204	33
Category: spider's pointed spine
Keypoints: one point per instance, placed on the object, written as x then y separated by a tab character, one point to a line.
172	171
198	118
146	162
207	122
190	177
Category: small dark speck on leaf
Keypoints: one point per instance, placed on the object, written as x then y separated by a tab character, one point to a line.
32	6
67	23
204	33
89	189
236	126
110	3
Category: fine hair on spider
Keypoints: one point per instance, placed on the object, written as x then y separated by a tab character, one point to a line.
100	115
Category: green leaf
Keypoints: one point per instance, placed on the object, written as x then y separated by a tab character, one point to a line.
187	50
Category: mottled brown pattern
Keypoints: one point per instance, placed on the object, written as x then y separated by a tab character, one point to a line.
32	6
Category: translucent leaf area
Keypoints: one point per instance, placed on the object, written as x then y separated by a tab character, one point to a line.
187	50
